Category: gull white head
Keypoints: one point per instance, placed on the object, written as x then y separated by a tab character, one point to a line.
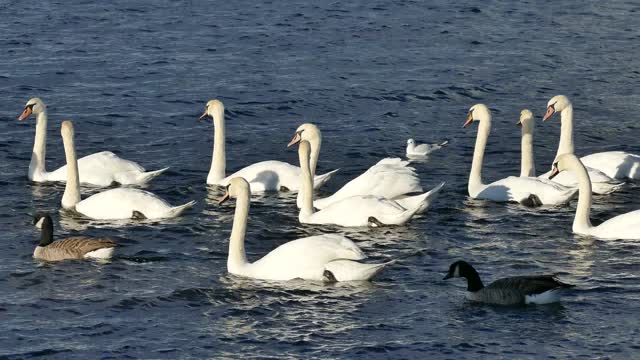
411	142
556	104
34	106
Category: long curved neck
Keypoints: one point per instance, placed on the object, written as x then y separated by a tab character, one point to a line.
566	131
218	162
237	256
581	221
527	162
315	143
39	153
473	280
306	191
71	194
484	129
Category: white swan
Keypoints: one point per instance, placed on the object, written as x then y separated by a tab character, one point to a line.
358	210
512	188
101	169
601	183
390	178
419	150
268	175
321	257
625	226
615	164
113	204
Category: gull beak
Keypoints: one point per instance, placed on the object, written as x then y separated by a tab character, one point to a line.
224	198
448	276
550	111
25	114
203	116
296	139
554	172
469	120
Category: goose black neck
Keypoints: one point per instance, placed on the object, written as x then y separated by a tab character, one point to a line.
46	234
473	279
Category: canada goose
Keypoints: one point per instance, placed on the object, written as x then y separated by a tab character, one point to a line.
515	290
79	247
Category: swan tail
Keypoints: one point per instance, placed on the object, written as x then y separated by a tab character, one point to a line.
349	270
320	180
422	201
145	177
177	210
606	188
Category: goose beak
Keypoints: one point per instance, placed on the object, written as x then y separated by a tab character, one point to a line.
25	114
296	139
554	172
448	276
224	198
203	116
469	120
550	111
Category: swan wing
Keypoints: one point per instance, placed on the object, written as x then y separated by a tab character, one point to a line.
98	169
615	164
356	211
625	226
120	203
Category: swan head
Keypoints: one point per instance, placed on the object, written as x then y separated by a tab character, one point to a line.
213	108
411	142
477	112
561	163
459	269
33	106
526	119
236	186
67	130
556	104
308	132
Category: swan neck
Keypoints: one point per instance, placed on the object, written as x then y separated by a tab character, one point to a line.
484	129
581	222
315	143
527	161
566	132
306	190
71	194
37	164
218	161
237	256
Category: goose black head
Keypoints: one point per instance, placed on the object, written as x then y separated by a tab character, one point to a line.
459	269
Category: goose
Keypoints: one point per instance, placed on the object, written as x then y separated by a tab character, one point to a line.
525	190
515	290
419	150
601	183
357	210
100	169
113	204
625	226
327	257
390	178
79	247
615	164
270	175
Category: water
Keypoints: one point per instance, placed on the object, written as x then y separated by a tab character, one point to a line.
135	77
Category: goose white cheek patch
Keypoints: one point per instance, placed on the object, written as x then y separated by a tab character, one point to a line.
39	223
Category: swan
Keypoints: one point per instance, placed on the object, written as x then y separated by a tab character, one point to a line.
615	164
601	183
514	290
270	175
119	203
512	188
328	257
100	169
358	210
625	226
79	247
390	178
418	150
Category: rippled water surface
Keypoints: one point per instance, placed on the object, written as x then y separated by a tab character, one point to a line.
134	77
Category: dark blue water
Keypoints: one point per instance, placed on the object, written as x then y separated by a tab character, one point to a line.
134	76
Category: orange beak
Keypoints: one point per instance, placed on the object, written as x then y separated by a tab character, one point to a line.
519	123
224	198
203	116
554	172
296	139
25	114
469	120
550	111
